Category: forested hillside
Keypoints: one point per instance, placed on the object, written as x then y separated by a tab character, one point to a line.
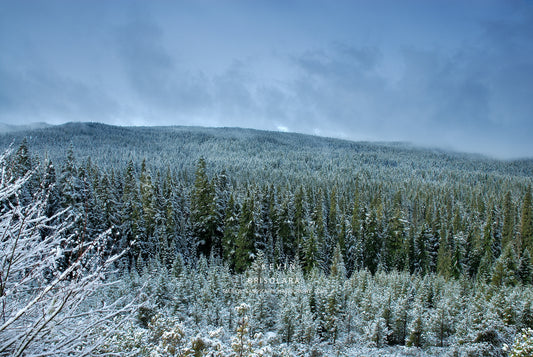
321	244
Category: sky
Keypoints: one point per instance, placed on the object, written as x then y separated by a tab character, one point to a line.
452	74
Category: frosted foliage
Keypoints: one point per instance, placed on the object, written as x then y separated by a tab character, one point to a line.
45	310
523	344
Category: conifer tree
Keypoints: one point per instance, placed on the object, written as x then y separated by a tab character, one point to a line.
333	220
299	222
285	234
221	196
49	184
244	245
22	163
508	228
525	268
321	232
147	196
241	344
287	318
395	241
354	250
372	242
337	270
421	256
310	249
130	214
70	184
444	258
505	269
231	229
202	215
526	223
416	331
457	266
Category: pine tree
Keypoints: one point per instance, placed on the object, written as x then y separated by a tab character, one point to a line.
505	269
220	203
337	270
241	344
354	250
130	214
333	309
492	235
299	222
69	183
416	331
22	165
444	256
441	323
287	318
378	332
271	224
49	185
285	233
310	249
508	228
457	266
147	196
333	220
372	242
202	215
525	268
526	223
321	232
244	245
421	256
231	230
395	241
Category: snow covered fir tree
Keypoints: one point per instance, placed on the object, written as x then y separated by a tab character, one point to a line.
177	241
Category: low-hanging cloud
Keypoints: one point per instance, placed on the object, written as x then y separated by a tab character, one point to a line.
474	99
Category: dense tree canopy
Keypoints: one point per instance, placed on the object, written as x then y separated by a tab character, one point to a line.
338	216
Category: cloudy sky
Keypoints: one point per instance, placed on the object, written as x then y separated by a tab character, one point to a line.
451	73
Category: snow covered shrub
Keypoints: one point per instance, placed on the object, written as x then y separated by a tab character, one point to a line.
241	344
50	305
523	344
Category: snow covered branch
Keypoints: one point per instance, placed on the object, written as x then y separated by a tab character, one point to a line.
52	287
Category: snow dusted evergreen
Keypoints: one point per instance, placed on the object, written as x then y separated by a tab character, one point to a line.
257	243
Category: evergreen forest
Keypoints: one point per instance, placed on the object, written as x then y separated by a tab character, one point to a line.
244	242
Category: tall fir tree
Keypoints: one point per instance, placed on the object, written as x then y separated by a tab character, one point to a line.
525	268
505	269
244	245
147	196
508	228
231	230
202	215
526	223
333	217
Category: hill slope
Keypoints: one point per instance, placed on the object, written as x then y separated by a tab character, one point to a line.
253	152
